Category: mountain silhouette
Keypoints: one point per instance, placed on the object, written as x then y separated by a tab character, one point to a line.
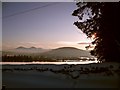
67	52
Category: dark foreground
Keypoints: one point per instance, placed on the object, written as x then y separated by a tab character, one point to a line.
61	76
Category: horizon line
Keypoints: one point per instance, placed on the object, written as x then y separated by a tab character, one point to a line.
41	47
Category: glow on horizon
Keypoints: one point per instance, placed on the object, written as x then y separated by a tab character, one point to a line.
49	27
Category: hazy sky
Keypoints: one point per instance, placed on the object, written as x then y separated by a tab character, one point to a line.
50	25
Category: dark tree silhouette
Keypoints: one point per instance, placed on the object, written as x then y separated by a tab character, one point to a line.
101	19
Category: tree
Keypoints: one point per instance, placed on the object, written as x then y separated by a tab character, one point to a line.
101	19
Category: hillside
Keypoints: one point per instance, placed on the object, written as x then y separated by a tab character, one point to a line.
66	52
24	51
29	50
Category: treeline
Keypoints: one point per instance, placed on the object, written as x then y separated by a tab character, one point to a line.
25	58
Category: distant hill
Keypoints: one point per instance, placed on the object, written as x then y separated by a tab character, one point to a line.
24	51
30	50
66	52
58	53
21	47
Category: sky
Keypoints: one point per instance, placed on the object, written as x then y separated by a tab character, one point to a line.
46	25
0	27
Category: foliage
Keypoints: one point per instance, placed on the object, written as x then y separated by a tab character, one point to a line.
102	20
24	58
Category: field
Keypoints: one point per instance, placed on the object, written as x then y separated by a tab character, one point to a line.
104	75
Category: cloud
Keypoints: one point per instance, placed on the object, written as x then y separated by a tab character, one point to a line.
30	44
84	43
67	43
72	43
33	43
